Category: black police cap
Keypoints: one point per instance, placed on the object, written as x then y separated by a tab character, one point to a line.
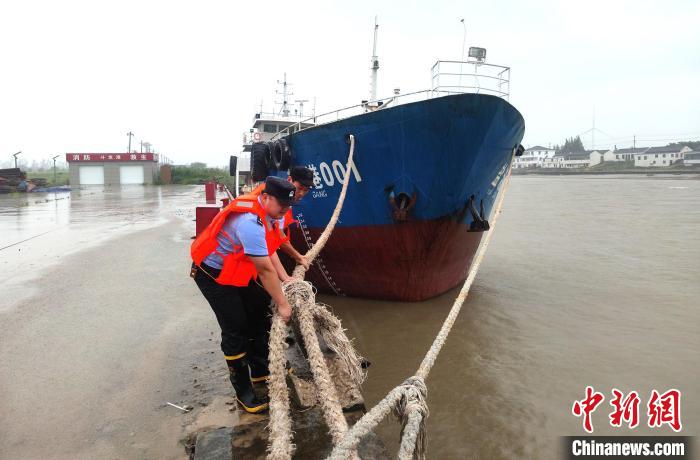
302	175
280	188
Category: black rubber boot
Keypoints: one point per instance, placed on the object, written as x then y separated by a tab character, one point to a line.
240	379
257	356
259	372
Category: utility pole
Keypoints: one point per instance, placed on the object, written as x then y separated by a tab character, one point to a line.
54	168
141	146
634	141
130	134
15	155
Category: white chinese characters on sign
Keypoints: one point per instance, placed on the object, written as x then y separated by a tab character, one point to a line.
96	157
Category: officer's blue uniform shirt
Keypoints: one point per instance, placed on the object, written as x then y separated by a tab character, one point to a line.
245	230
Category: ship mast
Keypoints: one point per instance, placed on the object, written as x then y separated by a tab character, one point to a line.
375	66
285	95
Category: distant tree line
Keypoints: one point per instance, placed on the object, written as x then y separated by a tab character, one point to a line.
571	144
34	165
694	145
574	144
199	173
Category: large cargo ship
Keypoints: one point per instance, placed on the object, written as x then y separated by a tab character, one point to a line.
428	166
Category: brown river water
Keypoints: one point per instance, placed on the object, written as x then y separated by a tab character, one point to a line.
591	280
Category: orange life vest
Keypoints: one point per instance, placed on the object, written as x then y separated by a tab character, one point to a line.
288	217
237	269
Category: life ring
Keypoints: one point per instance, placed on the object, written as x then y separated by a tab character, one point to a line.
280	154
257	136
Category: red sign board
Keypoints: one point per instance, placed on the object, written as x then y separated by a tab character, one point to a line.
92	157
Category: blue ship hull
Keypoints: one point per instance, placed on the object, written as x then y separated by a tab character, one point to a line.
441	153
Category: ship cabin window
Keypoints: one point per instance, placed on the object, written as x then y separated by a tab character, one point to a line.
267	128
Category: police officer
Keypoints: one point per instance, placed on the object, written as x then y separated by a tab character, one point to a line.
232	257
303	179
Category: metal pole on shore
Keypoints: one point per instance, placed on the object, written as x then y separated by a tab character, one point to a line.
130	134
54	169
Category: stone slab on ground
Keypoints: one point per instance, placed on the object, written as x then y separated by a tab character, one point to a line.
214	445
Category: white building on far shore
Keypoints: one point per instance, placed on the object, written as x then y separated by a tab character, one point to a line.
624	154
645	157
659	157
569	160
692	158
534	157
598	156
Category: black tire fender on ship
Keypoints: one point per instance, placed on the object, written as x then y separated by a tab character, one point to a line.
259	156
280	154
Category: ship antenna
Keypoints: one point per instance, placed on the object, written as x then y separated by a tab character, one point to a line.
375	66
301	106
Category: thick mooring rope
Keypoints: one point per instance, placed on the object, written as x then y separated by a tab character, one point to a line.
408	399
310	315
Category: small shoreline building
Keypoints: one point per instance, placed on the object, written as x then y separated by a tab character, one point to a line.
572	160
534	157
112	168
692	158
660	156
642	157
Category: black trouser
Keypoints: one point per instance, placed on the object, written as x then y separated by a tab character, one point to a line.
243	314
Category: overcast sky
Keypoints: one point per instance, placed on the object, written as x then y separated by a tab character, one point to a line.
188	76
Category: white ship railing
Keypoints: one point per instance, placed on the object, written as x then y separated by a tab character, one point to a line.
455	77
447	78
278	116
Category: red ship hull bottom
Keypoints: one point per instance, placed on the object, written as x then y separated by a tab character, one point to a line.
408	261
